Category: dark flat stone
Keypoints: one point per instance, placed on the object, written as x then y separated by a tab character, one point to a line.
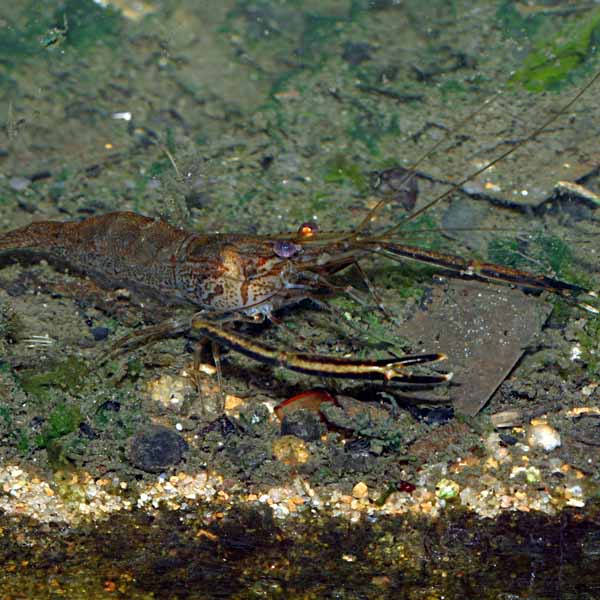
484	330
156	449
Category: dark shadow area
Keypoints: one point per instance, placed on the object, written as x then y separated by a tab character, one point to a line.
248	554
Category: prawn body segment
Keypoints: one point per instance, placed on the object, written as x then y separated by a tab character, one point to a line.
220	273
229	273
117	249
234	274
227	276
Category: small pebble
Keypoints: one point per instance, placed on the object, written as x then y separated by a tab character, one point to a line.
171	391
446	489
100	333
87	431
543	436
435	416
509	440
156	449
303	424
360	490
112	405
507	418
19	184
222	424
290	450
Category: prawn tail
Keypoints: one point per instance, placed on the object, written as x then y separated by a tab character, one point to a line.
38	237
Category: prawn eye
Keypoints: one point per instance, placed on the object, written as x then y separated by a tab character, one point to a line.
308	229
286	249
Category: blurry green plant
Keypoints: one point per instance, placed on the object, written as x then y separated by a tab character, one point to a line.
542	248
553	62
68	375
64	419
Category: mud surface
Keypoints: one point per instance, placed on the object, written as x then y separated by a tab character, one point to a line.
256	117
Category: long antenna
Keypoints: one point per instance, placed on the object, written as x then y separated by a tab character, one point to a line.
490	164
410	171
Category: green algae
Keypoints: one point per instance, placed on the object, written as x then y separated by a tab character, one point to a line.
423	231
63	419
342	170
554	63
320	30
557	253
85	24
449	89
22	37
514	24
589	340
16	434
69	375
39	29
548	250
371	128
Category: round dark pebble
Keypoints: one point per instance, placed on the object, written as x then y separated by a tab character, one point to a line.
86	431
112	405
509	440
266	161
356	52
156	449
303	424
100	333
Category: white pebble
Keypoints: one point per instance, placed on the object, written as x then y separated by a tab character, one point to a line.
543	436
19	184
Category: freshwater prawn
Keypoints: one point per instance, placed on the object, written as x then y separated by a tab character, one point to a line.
232	277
